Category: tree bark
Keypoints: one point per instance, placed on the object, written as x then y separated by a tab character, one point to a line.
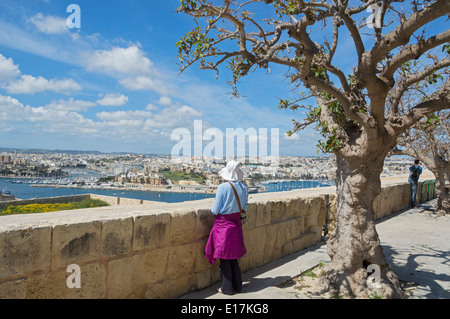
355	245
443	191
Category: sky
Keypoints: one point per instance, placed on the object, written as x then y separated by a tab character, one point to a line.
112	83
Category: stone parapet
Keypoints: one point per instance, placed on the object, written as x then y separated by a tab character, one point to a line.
156	250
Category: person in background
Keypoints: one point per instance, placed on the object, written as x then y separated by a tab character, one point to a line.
226	240
414	174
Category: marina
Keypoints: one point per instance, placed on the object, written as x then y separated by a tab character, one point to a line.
51	187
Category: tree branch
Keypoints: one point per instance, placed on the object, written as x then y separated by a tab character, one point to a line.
401	35
414	51
440	102
413	79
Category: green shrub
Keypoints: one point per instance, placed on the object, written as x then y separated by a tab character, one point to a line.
45	208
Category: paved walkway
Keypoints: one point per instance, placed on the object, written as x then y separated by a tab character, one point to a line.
415	242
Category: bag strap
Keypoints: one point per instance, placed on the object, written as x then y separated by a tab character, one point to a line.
237	197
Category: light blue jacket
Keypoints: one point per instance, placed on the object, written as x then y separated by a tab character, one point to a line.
226	203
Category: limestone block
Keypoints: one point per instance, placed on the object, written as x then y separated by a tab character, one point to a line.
298	226
279	238
107	199
276	235
151	231
171	288
159	291
182	227
25	250
303	206
263	216
293	208
305	241
277	210
152	266
204	223
15	289
315	216
255	241
317	230
53	285
121	282
116	236
73	243
271	239
287	231
128	277
288	248
182	259
201	263
207	277
251	213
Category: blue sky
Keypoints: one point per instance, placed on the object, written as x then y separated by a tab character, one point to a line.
113	84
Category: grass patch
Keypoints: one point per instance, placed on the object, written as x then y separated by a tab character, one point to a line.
180	176
375	295
45	208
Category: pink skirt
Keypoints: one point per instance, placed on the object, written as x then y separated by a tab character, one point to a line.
226	240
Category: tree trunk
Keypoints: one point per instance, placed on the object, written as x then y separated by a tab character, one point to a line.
443	191
354	244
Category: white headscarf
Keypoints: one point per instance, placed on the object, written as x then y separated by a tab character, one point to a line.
232	172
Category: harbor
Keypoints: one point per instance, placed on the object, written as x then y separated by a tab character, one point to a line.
23	188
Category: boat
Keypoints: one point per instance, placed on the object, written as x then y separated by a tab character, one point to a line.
6	191
252	190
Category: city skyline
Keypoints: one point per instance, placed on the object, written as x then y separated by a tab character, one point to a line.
112	84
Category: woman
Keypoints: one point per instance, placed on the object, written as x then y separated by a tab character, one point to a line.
226	240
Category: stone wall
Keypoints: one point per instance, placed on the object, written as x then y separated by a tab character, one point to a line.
121	200
6	197
155	250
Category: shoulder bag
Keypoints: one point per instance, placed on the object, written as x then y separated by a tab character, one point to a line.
243	214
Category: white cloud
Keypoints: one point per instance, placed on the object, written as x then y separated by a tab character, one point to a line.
70	105
8	70
145	83
28	84
123	115
151	107
130	61
49	24
173	117
113	100
165	100
11	110
5	128
293	137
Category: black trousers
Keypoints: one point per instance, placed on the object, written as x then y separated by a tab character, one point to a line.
230	273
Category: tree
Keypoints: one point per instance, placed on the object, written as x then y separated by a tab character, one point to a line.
360	111
429	141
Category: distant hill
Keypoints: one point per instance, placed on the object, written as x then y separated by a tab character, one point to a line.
46	151
55	151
